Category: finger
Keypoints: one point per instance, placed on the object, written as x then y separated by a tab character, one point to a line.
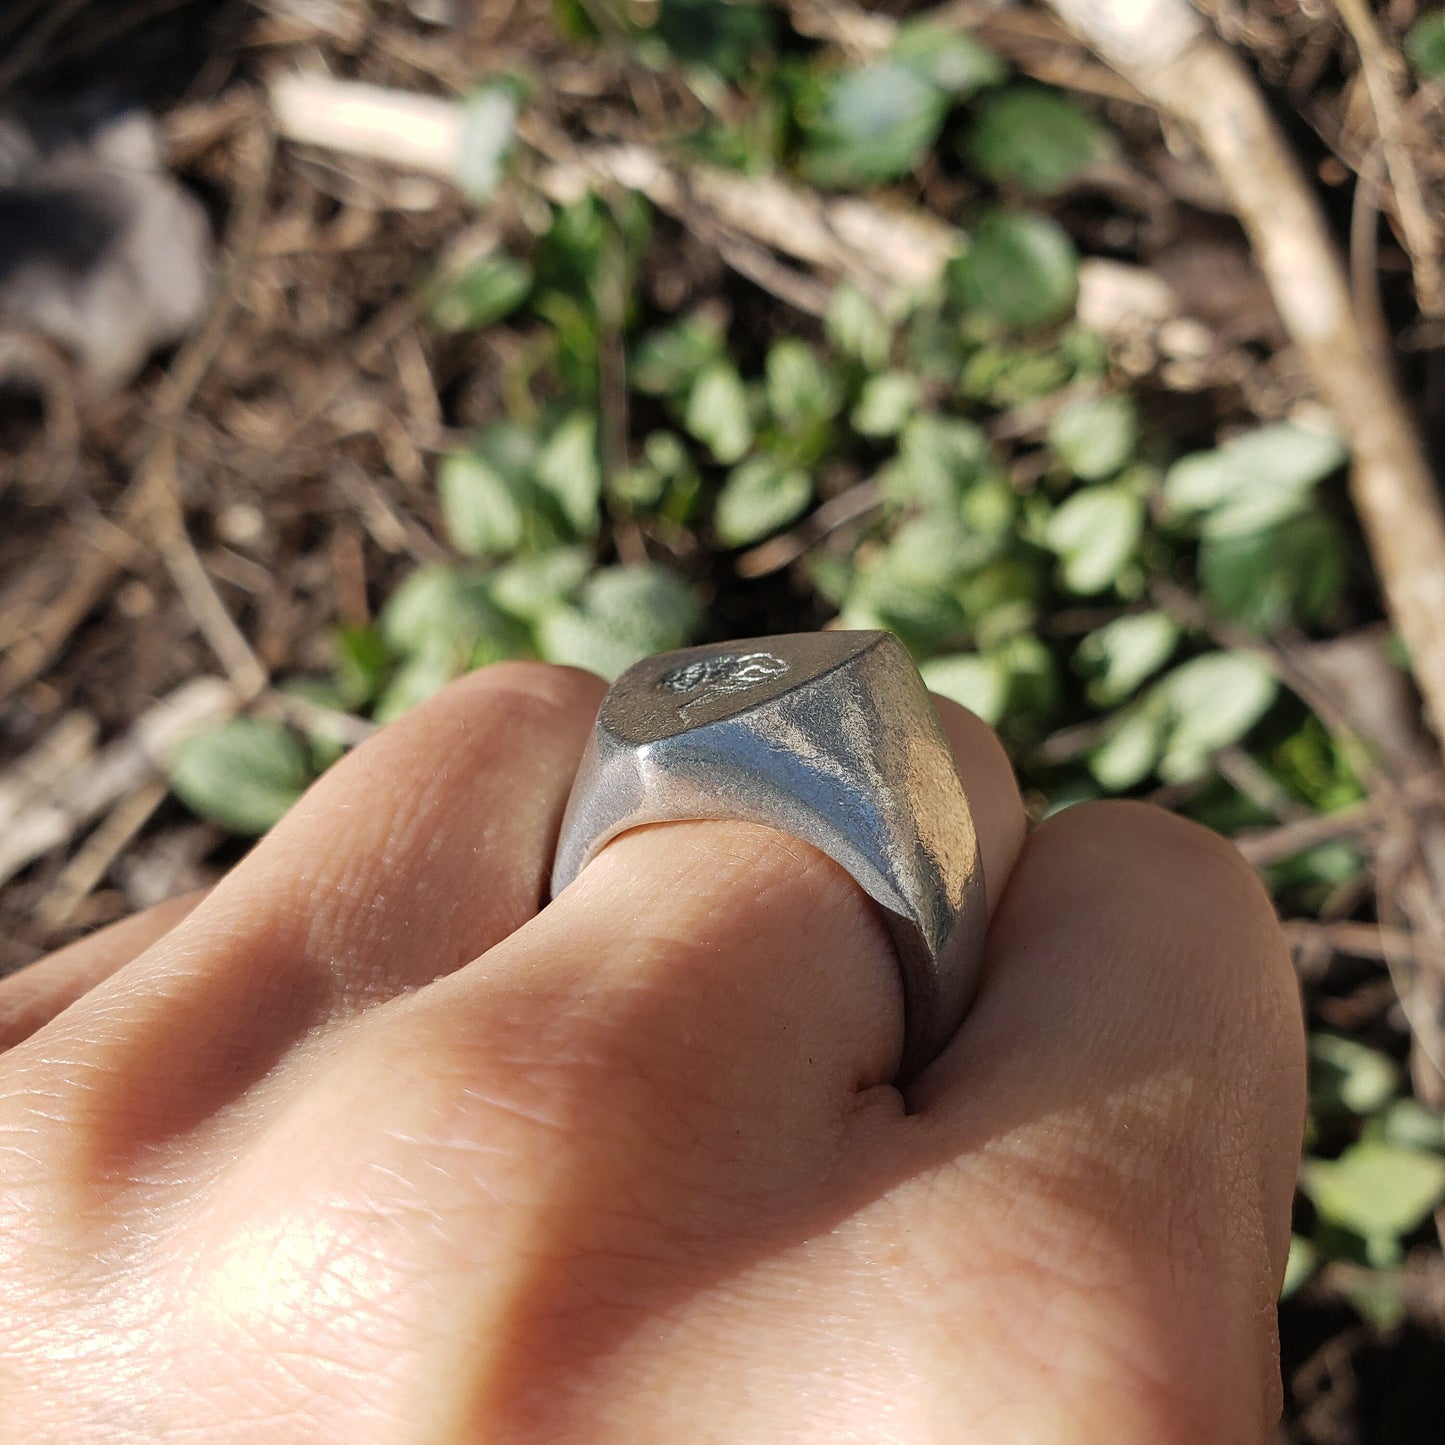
655	1082
1131	1079
32	997
417	852
713	967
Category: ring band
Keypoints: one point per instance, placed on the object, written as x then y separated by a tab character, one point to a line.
830	737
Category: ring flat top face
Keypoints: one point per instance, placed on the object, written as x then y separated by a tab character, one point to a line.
679	691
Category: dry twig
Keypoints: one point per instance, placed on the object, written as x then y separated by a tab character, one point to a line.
1377	63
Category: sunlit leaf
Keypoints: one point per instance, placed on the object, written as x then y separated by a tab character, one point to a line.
244	774
718	414
436	606
1408	1124
760	497
1375	1188
1303	1260
486	492
420	676
1251	482
858	329
668	361
530	586
802	391
1214	701
1095	436
1095	533
1132	749
977	683
569	469
1125	653
939	458
1348	1076
622	615
886	404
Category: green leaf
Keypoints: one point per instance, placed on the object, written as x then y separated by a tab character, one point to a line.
1292	572
1035	138
1095	533
886	404
623	615
1251	482
1124	653
718	414
362	664
569	469
489	123
1425	44
486	493
975	682
875	125
760	497
719	35
1214	701
485	292
1095	436
947	57
1408	1124
421	676
244	775
1375	1189
667	362
1132	749
1347	1076
939	459
1020	269
858	329
530	586
666	468
435	606
802	392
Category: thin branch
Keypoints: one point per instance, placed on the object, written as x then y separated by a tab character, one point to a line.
1165	48
1419	231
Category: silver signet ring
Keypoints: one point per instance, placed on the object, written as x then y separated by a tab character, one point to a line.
830	737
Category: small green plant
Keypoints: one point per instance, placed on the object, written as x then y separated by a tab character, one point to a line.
1374	1169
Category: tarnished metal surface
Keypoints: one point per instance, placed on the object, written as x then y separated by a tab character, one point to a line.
830	737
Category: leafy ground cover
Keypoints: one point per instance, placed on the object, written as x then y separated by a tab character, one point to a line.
558	417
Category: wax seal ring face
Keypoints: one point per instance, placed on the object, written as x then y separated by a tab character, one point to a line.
830	737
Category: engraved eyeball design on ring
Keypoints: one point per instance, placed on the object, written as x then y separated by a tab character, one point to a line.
720	675
830	737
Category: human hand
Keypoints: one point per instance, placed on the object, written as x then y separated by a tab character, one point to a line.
367	1146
